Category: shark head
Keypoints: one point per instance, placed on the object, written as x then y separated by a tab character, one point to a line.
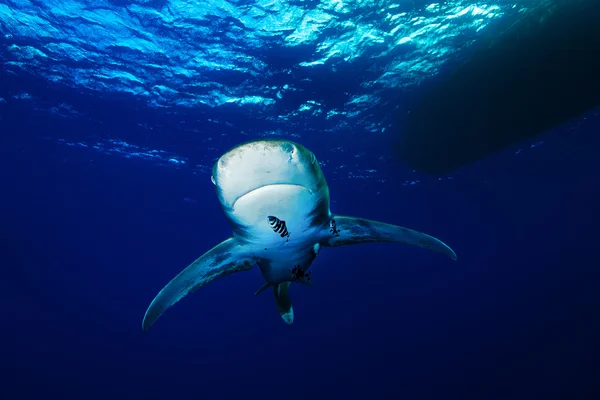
266	176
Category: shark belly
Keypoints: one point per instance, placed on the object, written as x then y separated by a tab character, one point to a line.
277	217
278	220
277	267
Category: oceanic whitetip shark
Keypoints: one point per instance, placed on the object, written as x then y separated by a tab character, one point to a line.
276	201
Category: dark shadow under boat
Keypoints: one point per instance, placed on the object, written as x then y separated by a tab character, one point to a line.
540	72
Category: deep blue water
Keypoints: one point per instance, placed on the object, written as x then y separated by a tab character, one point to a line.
105	195
86	245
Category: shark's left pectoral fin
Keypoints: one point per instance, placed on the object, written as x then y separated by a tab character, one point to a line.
284	304
223	259
350	230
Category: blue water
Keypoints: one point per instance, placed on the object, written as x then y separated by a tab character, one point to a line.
105	195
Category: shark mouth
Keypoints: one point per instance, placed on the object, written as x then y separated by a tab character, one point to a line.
269	185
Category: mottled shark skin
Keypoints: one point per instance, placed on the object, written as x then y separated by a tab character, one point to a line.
276	200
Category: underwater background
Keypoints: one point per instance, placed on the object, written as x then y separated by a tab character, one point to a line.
112	114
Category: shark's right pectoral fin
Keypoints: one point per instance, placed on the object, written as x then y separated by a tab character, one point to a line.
351	230
284	304
223	259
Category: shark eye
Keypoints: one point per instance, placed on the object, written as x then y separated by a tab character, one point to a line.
312	158
212	179
287	148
